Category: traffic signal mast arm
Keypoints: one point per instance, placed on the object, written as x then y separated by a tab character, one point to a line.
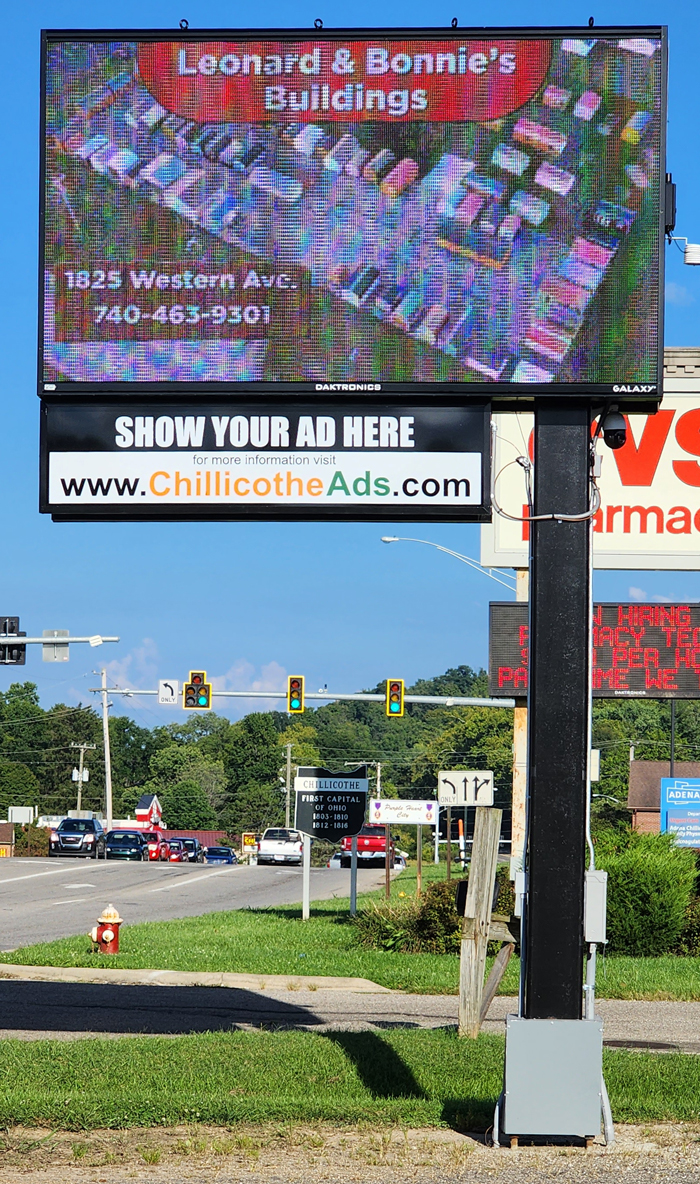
331	697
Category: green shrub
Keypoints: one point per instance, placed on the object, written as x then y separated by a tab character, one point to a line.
31	840
437	924
426	926
388	927
650	883
689	940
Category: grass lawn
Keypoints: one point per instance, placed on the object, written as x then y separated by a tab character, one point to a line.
410	1078
277	941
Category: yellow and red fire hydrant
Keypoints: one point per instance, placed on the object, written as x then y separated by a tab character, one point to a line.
105	934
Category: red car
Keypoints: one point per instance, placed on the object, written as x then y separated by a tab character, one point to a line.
371	846
177	851
157	845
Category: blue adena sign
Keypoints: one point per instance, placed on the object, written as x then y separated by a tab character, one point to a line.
680	809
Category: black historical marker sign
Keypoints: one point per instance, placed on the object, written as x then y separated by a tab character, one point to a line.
330	805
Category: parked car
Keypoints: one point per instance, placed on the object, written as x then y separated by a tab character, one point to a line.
195	850
126	844
78	836
371	846
219	855
336	859
157	844
280	846
177	851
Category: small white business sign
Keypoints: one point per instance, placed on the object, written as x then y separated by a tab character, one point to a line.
465	787
389	811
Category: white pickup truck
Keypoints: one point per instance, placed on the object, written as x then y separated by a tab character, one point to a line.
280	846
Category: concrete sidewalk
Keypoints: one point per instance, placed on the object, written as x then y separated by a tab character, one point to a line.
40	1002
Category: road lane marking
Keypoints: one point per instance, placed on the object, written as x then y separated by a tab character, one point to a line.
59	871
74	900
184	881
81	885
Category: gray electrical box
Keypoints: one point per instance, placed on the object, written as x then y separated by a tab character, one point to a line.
595	903
553	1077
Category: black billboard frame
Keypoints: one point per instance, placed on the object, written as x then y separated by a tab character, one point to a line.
264	513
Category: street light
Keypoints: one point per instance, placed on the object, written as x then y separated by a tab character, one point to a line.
486	571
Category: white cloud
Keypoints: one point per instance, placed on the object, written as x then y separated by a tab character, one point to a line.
243	676
137	669
677	294
662	599
637	594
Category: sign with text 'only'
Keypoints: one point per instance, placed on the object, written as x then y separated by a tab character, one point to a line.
680	810
640	651
265	460
649	518
393	811
465	787
330	805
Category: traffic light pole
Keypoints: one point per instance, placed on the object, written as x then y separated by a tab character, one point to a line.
108	753
558	714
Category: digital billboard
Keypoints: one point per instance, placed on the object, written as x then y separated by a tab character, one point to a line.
265	459
364	211
640	651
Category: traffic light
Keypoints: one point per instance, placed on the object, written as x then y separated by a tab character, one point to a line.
10	653
295	694
394	696
197	692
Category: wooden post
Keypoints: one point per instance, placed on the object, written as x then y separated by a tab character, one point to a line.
419	861
387	861
477	917
448	848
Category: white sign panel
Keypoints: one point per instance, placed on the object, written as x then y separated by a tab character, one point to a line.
465	787
389	811
330	783
168	692
649	518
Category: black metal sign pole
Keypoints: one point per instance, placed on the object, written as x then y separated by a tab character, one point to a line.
557	716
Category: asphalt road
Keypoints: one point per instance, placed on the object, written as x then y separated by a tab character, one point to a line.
42	899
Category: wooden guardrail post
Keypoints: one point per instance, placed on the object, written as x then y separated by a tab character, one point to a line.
477	918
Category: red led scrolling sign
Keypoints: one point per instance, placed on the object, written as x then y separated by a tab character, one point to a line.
640	651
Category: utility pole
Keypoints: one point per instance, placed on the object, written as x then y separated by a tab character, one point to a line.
83	748
288	802
559	710
108	756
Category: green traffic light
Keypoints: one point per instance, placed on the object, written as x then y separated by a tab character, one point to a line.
202	700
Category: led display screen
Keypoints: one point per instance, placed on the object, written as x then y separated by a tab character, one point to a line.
640	651
354	212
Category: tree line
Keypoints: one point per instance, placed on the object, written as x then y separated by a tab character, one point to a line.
210	772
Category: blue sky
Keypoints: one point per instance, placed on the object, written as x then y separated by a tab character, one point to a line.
253	602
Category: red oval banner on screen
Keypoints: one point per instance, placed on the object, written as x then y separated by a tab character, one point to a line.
398	81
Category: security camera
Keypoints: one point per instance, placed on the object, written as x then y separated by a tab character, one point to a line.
614	430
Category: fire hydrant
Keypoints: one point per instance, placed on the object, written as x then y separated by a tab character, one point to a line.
105	934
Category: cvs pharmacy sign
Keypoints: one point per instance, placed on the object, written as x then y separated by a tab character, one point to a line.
649	516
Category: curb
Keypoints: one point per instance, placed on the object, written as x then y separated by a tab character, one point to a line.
180	978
